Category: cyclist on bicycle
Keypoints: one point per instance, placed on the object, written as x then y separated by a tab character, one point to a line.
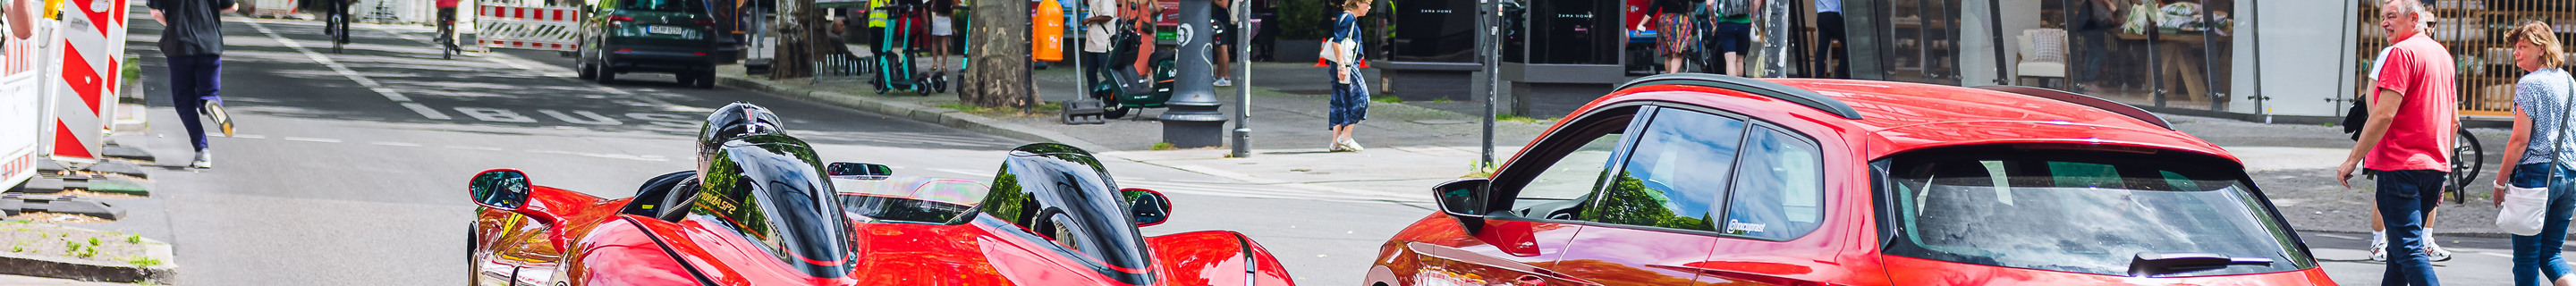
446	17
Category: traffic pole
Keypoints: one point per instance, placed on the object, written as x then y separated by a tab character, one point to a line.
1491	22
1242	72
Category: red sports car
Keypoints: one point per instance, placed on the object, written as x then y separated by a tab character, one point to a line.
761	210
1695	179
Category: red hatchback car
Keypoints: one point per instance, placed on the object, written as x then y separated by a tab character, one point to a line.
1696	179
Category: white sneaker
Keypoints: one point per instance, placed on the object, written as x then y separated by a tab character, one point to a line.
1353	145
2436	252
2379	251
1224	82
204	160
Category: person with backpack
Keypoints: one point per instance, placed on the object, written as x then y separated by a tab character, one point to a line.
1349	103
1731	35
2540	118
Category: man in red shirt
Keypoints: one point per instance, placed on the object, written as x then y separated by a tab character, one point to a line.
2407	138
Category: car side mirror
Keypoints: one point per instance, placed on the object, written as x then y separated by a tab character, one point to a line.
503	189
848	169
1463	199
1148	206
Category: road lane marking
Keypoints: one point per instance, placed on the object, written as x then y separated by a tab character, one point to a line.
382	143
309	139
2346	237
344	71
2496	254
424	110
495	114
474	148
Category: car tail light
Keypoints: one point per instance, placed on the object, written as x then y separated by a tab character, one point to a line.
621	51
706	23
702	53
620	18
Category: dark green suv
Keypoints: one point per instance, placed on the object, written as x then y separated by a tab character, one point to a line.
660	36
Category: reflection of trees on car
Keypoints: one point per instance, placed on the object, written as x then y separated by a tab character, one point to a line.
1629	202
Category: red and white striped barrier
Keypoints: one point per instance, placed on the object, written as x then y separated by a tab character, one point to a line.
524	27
21	104
83	77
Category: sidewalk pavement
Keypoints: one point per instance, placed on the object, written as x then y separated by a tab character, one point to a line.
1413	147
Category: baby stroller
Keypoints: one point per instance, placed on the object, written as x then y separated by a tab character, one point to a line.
1125	88
894	59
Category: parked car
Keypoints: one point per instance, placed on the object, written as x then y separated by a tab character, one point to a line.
769	213
657	36
1692	178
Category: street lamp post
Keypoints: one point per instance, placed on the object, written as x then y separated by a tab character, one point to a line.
1242	72
1193	120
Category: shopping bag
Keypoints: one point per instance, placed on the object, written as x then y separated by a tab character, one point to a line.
2523	209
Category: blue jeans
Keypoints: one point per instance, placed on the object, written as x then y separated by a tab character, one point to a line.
2536	259
2404	196
194	81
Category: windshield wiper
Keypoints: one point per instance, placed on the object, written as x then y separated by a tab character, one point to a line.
2154	264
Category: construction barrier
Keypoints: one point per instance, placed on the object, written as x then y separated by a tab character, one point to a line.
21	105
82	79
527	27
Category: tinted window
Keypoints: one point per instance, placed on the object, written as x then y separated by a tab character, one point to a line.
1779	188
2080	211
1674	176
662	5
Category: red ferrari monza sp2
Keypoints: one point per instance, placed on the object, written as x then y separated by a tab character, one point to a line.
769	214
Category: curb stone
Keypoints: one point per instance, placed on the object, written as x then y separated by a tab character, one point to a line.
907	110
58	267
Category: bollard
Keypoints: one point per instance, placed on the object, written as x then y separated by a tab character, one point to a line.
1192	120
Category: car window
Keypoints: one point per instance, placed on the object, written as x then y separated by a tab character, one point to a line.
1675	175
1779	187
1571	166
2080	211
1572	176
661	5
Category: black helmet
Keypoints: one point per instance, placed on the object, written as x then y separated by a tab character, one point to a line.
737	120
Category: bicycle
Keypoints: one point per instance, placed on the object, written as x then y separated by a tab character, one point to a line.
2468	157
447	48
337	25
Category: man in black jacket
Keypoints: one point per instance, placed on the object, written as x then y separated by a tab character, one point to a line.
192	39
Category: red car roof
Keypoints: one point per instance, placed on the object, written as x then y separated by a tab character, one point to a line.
1897	117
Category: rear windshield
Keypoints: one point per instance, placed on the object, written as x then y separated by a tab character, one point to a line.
690	6
2079	211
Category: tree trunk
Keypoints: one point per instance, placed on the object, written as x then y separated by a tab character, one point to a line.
800	39
998	74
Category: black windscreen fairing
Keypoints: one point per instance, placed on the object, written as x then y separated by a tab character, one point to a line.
769	189
1063	194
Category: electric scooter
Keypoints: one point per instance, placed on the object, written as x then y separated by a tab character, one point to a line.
894	59
1125	88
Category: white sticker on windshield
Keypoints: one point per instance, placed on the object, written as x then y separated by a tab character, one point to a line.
1733	226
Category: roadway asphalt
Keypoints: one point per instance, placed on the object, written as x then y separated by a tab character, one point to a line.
349	167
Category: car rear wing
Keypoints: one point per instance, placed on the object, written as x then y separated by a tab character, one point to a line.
1801	96
2085	100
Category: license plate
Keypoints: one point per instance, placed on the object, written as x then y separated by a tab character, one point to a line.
665	30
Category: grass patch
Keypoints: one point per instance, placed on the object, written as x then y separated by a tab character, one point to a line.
140	261
1441	100
1514	118
1162	146
133	69
1386	99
